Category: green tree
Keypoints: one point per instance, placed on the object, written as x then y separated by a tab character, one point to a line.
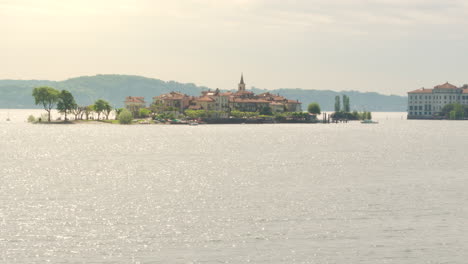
100	106
166	116
195	114
337	103
66	103
266	110
125	117
144	112
159	108
31	119
454	111
107	110
237	114
299	115
117	112
314	108
88	110
77	111
346	106
47	96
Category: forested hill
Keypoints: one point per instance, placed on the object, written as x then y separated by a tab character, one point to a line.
114	88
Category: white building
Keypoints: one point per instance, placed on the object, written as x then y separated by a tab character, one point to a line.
426	103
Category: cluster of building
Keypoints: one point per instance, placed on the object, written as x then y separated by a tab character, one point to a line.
426	103
241	100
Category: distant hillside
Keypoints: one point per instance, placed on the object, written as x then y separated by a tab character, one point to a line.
114	88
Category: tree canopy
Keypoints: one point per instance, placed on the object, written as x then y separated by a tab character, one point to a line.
314	108
337	104
66	103
125	117
346	105
102	106
47	96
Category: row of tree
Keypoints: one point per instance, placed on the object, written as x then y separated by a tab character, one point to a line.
65	103
454	111
345	111
195	114
346	104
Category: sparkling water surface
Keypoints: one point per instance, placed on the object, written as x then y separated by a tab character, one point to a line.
394	192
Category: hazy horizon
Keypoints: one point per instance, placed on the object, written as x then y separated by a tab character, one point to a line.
383	46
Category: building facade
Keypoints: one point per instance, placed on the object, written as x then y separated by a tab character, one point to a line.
247	101
175	100
426	103
134	104
240	100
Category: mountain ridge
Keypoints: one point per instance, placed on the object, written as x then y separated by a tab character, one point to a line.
114	88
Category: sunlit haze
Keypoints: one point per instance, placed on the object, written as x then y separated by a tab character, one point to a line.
386	46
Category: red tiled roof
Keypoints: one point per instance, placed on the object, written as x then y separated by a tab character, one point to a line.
422	90
244	92
465	91
446	86
247	100
293	102
171	96
271	97
204	99
135	99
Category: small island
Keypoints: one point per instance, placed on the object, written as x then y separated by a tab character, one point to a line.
211	107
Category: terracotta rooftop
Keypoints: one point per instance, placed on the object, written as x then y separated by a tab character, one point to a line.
227	94
422	90
246	100
446	86
244	92
135	99
272	97
171	96
204	99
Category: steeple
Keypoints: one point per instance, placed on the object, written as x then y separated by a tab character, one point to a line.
242	84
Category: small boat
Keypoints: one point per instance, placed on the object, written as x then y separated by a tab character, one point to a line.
193	124
368	121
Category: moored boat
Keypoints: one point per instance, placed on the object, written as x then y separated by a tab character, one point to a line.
368	121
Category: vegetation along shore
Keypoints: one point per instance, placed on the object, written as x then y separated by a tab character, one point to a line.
211	107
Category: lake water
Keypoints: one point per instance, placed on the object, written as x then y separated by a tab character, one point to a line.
394	192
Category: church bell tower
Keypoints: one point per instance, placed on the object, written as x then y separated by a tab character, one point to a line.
242	84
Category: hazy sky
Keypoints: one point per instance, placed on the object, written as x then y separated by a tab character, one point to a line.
387	46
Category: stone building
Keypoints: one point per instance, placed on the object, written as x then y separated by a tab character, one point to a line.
175	100
240	100
426	103
247	101
134	104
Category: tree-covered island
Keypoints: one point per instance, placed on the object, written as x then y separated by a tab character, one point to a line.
214	107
